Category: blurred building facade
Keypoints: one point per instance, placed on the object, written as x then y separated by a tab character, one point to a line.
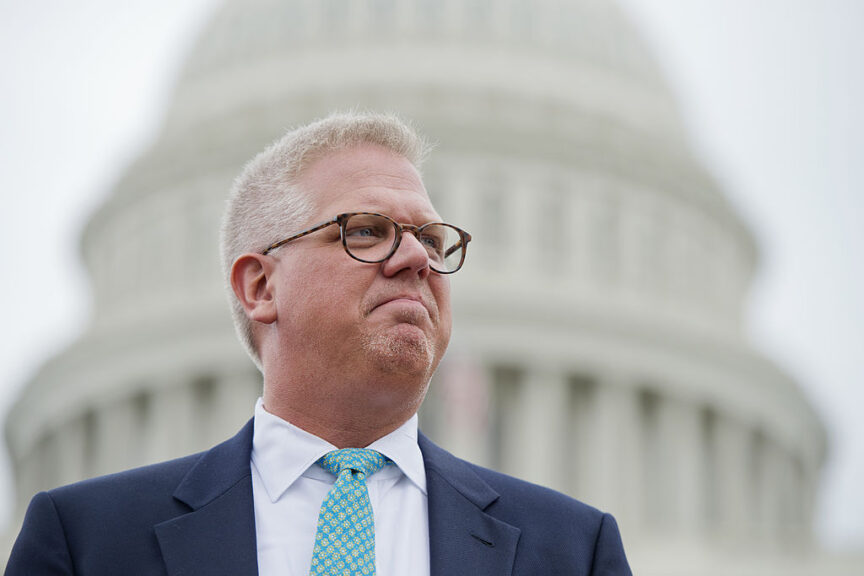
599	314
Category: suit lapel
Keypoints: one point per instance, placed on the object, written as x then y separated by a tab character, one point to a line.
463	538
218	536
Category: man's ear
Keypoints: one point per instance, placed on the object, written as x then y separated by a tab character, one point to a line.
251	281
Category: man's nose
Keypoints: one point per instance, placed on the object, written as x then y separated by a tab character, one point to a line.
410	255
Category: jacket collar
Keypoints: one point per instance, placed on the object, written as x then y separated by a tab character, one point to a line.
218	536
463	537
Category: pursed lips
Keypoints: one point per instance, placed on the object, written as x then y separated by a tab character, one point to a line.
403	298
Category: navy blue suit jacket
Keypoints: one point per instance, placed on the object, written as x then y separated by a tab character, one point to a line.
195	516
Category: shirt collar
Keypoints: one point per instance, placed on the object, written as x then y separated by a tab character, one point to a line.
282	452
401	447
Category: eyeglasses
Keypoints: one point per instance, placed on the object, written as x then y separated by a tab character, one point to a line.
370	237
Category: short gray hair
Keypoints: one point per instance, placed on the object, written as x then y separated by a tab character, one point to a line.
265	204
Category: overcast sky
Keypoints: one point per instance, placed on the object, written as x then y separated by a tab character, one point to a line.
771	90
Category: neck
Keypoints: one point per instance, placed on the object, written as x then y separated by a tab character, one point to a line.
351	420
341	433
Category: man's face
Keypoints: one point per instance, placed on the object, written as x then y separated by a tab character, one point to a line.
388	322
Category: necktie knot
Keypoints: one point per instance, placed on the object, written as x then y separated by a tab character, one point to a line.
357	459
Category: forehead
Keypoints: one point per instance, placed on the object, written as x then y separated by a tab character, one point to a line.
366	177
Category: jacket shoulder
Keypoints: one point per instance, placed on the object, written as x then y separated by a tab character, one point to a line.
555	528
502	492
557	533
131	487
73	526
532	500
96	525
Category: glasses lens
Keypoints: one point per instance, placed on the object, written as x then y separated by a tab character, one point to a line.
445	247
368	237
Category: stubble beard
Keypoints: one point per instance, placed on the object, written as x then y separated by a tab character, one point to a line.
403	348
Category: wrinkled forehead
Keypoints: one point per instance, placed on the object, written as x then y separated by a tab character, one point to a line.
363	177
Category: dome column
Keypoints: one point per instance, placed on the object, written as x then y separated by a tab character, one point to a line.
733	490
542	419
682	486
173	425
72	438
235	397
117	437
615	483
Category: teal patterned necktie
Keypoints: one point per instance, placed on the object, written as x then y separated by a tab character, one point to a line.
345	540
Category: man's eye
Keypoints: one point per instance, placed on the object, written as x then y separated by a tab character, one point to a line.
431	242
361	232
366	232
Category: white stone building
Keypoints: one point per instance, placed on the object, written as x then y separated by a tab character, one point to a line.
599	312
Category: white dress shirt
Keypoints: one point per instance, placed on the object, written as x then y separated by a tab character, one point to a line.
288	487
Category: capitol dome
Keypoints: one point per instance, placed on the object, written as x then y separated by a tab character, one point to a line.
599	313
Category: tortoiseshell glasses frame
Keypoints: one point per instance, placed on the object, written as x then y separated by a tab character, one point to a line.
366	240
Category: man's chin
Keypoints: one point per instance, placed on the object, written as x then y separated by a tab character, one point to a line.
401	348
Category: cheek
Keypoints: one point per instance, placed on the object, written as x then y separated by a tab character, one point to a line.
305	295
331	295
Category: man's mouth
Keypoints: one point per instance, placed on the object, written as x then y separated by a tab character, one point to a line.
408	306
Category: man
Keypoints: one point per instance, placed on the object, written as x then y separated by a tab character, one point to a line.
338	266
